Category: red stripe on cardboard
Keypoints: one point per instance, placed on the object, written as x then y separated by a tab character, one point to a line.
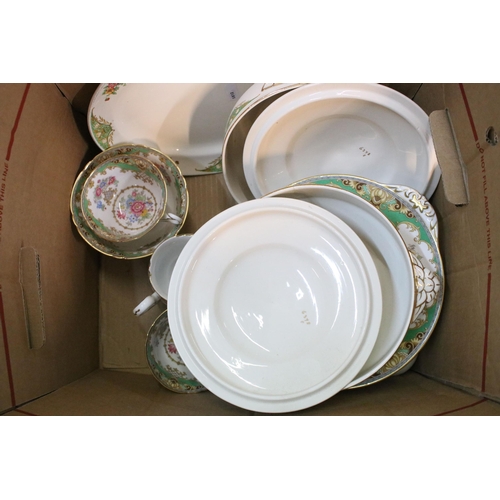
469	114
461	408
488	237
26	412
3	189
486	332
16	122
7	355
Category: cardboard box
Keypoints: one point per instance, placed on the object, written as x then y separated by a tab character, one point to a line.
70	344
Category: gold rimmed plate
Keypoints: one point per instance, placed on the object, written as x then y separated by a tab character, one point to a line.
414	218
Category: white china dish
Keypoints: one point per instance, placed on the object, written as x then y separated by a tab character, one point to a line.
124	198
186	121
367	130
391	258
275	305
244	113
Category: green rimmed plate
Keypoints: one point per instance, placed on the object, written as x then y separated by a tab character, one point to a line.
165	362
177	203
414	218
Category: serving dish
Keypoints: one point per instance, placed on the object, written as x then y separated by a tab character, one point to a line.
414	218
390	255
177	205
186	121
366	130
164	361
275	304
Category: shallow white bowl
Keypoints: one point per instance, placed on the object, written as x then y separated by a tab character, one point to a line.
367	130
275	305
391	258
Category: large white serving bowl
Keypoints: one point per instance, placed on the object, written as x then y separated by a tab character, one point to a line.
369	129
391	258
275	305
186	121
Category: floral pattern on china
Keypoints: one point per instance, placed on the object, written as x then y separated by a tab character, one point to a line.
135	207
124	197
165	362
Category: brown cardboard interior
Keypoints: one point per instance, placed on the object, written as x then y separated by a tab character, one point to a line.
50	311
93	351
464	348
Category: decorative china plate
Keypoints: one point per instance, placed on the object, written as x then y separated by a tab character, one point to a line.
391	258
177	204
275	305
164	360
415	219
186	121
366	130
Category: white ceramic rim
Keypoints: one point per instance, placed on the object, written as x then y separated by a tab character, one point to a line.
371	92
321	390
405	275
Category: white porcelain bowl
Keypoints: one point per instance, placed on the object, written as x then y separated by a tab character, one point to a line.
391	258
367	130
275	304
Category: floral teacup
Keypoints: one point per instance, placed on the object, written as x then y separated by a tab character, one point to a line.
124	198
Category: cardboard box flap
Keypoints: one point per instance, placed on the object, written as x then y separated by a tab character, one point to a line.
48	274
453	169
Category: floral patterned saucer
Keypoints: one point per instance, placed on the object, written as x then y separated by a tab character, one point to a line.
415	219
177	204
124	198
165	362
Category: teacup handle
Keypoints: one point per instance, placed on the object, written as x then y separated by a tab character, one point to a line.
174	219
147	304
